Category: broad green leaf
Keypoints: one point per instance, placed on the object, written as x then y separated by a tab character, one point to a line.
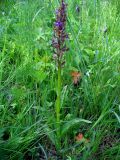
72	123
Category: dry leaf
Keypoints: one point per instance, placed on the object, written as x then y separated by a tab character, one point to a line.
79	137
76	77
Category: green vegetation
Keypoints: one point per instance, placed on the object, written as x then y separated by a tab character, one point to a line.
89	109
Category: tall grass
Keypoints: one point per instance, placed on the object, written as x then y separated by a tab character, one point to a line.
28	81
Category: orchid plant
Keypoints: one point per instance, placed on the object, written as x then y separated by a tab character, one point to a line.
59	45
60	48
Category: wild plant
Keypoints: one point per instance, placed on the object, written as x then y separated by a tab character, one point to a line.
60	48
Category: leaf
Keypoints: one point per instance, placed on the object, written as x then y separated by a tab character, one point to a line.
72	123
64	95
40	76
118	117
69	158
43	150
50	133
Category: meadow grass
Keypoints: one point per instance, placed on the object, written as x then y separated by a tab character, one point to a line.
28	81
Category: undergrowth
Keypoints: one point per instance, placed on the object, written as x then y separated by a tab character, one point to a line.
90	105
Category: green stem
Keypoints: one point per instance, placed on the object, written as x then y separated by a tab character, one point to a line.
58	105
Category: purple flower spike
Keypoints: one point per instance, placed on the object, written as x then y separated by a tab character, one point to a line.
60	35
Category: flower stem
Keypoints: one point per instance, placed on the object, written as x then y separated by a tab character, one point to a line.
58	106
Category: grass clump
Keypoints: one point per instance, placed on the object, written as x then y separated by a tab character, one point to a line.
89	111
